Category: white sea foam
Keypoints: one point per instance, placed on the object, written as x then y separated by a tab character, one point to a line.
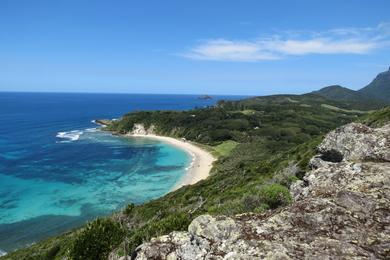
2	253
70	136
91	130
192	161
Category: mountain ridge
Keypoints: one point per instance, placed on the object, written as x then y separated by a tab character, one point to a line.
373	96
379	88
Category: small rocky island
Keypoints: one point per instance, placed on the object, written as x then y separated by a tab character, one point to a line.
205	97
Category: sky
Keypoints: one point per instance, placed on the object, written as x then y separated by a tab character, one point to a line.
192	47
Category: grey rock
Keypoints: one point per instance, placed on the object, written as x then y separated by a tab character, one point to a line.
139	129
357	142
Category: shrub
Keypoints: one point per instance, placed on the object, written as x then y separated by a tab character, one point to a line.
275	195
52	252
178	221
287	175
250	202
175	221
129	209
96	240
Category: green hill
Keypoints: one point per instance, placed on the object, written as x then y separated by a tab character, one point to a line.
312	100
350	97
379	88
337	92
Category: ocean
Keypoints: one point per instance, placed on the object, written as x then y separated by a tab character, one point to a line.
57	170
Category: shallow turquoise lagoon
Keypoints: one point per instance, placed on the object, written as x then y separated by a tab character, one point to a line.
58	171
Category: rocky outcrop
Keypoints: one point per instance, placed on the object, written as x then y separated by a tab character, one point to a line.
356	142
103	122
139	129
341	210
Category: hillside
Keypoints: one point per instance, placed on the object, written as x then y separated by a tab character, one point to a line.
338	212
337	92
350	97
375	95
379	88
331	101
274	138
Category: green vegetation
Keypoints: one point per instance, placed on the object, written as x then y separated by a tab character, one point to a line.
269	196
263	143
377	118
379	88
225	148
274	195
343	110
352	98
276	119
96	240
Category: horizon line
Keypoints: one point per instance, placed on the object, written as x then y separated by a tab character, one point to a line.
123	93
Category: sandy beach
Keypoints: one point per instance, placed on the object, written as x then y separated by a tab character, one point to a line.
201	160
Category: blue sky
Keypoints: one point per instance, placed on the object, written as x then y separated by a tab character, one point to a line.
203	46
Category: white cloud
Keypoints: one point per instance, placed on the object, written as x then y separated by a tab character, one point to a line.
321	46
230	51
335	41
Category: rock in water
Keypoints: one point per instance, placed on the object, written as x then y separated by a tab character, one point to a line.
205	97
341	210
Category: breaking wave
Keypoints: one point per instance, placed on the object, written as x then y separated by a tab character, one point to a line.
70	136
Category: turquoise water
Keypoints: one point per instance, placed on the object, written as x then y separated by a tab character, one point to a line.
57	170
152	169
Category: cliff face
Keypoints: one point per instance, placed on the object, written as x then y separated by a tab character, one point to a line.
341	209
139	129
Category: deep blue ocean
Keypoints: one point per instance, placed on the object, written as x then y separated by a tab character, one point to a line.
57	170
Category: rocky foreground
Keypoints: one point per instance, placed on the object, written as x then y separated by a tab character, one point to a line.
341	210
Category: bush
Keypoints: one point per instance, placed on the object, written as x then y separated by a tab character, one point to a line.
96	240
174	221
129	209
269	196
250	202
287	175
220	135
52	252
275	195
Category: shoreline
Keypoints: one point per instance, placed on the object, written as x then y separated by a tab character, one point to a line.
202	160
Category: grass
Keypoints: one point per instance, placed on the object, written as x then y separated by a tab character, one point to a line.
221	150
377	118
343	110
249	112
225	148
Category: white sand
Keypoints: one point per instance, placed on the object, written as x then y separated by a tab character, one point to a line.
202	160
